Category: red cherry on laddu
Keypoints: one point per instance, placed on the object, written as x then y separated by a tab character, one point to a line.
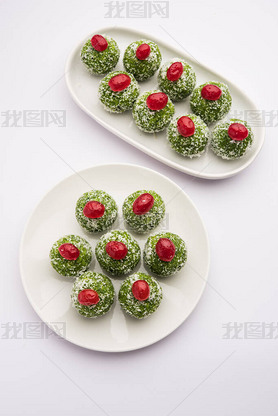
119	82
211	92
116	250
94	209
237	131
185	126
165	249
88	297
143	204
99	43
143	51
157	101
141	290
69	251
175	71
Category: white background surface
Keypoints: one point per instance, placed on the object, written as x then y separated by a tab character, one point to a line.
194	371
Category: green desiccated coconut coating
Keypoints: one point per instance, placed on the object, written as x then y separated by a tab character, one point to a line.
151	121
189	146
99	63
118	101
134	307
164	268
145	222
102	285
222	145
71	267
125	265
211	111
96	224
183	87
142	69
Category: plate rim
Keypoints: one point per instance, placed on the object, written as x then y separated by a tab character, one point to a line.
25	230
150	152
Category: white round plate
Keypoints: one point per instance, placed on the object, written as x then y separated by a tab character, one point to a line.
83	88
49	293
